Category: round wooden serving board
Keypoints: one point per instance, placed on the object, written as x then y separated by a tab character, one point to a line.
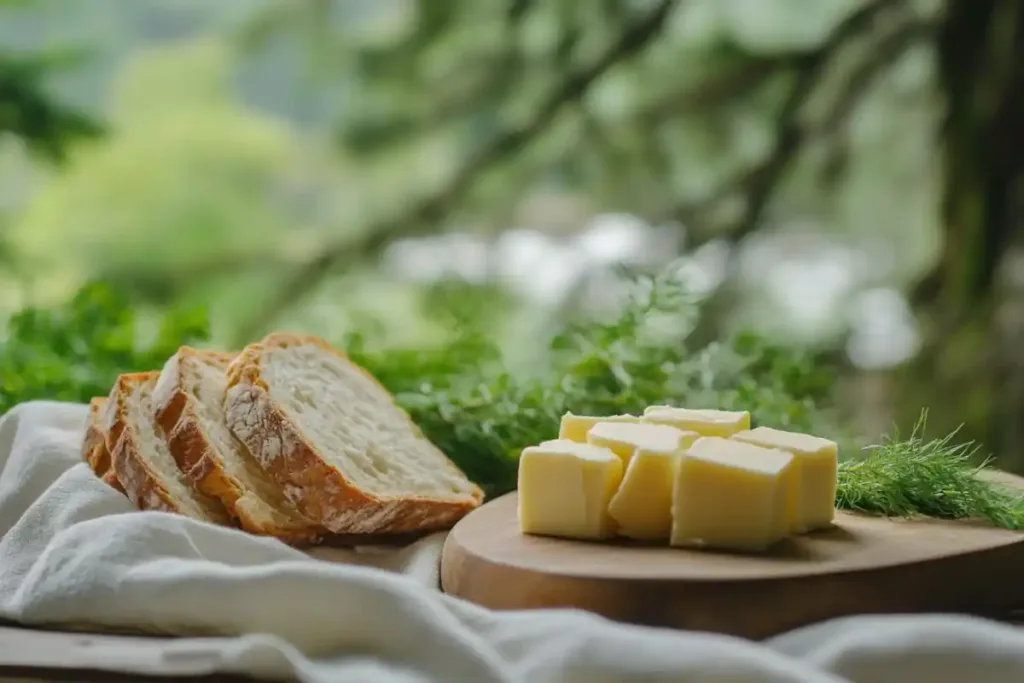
863	565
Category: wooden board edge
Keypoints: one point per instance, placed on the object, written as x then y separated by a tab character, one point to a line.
51	654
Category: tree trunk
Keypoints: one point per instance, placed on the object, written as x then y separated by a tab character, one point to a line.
981	73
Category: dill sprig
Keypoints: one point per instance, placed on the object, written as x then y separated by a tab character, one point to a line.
926	477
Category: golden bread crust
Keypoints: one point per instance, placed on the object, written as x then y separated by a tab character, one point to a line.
110	478
94	434
320	491
196	455
141	483
94	444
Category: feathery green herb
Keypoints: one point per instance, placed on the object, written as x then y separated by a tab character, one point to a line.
930	477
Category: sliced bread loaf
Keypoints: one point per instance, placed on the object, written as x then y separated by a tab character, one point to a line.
94	444
337	444
189	404
111	480
141	459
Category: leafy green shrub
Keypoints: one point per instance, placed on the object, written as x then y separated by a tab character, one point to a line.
76	351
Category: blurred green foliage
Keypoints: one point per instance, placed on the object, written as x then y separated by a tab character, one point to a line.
176	123
76	351
28	110
237	196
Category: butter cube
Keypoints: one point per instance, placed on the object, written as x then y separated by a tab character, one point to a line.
565	488
732	495
817	460
704	422
624	438
642	507
575	427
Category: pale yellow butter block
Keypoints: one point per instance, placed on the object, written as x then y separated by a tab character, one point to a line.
565	488
575	427
642	507
817	460
624	438
704	422
732	495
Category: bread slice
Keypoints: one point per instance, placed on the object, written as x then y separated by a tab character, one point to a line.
332	437
94	444
141	459
94	447
189	404
111	480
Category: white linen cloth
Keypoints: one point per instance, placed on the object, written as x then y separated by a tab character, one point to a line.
74	552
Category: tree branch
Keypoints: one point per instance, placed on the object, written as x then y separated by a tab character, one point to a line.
713	92
422	217
758	184
485	80
883	54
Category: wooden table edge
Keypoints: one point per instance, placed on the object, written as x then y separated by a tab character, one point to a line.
57	662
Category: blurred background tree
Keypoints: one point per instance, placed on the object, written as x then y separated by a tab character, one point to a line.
845	175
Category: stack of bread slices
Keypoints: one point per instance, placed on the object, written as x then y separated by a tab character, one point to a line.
287	438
